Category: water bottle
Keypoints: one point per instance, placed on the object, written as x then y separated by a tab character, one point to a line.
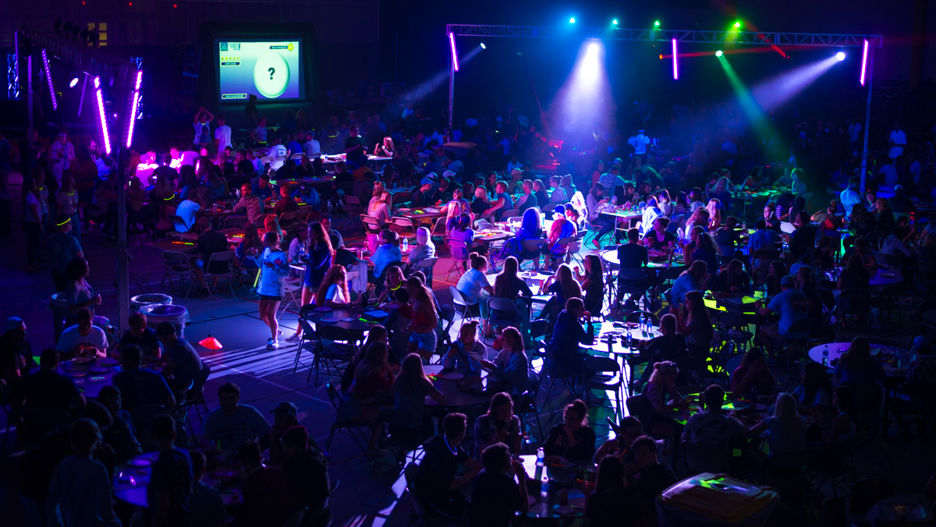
629	338
544	487
643	323
540	457
405	244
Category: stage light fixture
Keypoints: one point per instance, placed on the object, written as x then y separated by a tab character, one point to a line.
656	24
102	115
133	107
483	46
864	63
840	56
737	24
572	20
73	82
719	53
614	21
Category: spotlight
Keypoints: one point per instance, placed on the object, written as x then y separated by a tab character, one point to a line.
614	21
483	46
840	56
719	53
593	47
73	83
656	24
572	20
737	24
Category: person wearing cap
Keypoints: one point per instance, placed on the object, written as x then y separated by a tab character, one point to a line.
232	424
285	416
183	365
426	195
792	306
63	248
15	354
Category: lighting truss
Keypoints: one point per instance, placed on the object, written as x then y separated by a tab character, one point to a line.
13	90
753	38
97	62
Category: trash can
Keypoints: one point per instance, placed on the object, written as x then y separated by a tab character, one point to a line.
173	313
137	302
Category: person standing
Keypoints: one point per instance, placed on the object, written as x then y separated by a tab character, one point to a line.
61	155
222	134
273	268
202	126
33	221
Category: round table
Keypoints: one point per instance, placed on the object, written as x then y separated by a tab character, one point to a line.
458	393
611	256
566	496
91	376
611	338
355	319
835	351
492	235
133	476
885	277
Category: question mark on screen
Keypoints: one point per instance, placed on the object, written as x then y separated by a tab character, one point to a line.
272	71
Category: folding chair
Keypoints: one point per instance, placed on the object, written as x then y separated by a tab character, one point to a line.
604	373
502	312
403	226
371	225
178	264
335	346
458	251
426	266
462	307
234	222
353	426
221	265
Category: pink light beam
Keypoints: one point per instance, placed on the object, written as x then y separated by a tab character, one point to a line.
103	117
454	53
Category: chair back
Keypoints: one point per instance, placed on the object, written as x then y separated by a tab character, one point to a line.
533	245
220	263
438	228
371	224
235	222
502	310
333	395
602	365
540	328
458	250
353	204
177	261
290	217
509	213
402	226
426	266
458	299
334	333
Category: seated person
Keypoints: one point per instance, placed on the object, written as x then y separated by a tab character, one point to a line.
612	501
464	354
752	377
669	346
710	435
510	370
285	203
141	336
732	280
650	476
84	338
233	424
692	279
423	250
632	276
436	480
495	496
140	386
792	306
498	425
80	490
205	505
786	430
560	229
47	389
474	281
183	365
572	439
306	471
658	241
387	253
564	354
625	432
170	484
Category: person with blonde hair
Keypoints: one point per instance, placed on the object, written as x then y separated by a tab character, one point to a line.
334	289
379	205
786	430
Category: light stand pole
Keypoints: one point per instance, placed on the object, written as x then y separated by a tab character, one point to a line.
867	124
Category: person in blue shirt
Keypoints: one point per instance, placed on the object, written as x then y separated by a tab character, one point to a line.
387	253
763	238
792	306
262	188
465	352
510	370
80	487
182	361
501	202
692	279
564	356
273	268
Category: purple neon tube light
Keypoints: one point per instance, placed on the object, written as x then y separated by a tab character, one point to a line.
864	63
133	107
100	106
454	53
675	62
48	76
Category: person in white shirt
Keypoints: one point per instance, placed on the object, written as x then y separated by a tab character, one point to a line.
84	334
61	155
276	156
639	143
312	147
897	141
849	197
222	134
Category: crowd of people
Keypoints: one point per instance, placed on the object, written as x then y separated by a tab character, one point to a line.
723	228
